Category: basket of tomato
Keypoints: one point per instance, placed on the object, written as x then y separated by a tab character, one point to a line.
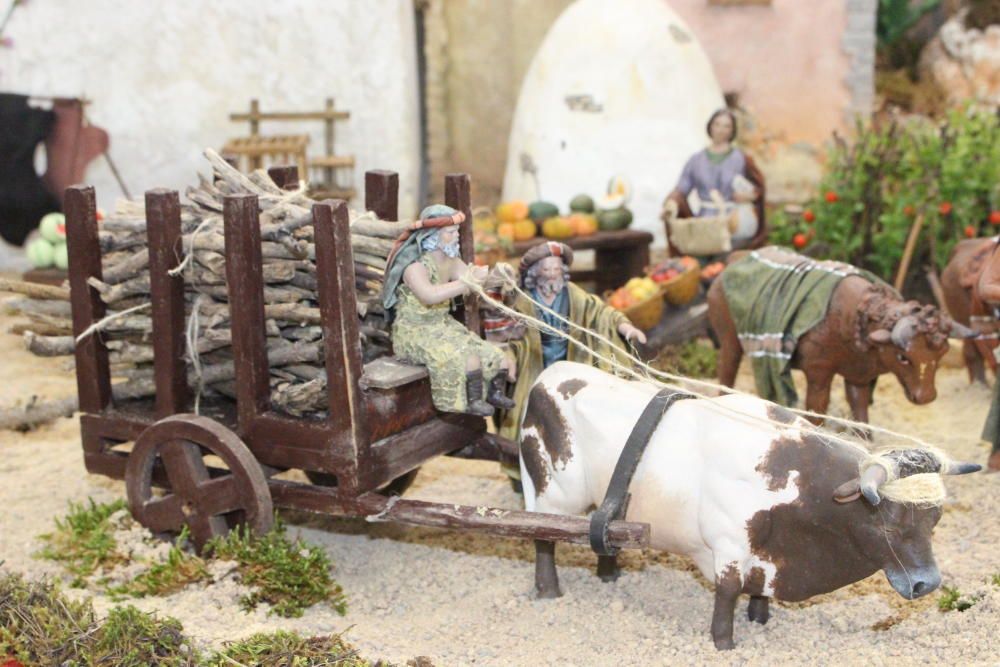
678	279
641	300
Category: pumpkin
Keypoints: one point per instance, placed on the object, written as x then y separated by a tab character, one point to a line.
525	230
558	228
512	211
484	222
583	224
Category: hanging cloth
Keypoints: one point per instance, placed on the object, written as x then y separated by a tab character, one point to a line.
24	199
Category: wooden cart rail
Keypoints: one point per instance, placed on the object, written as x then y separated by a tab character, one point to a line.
373	433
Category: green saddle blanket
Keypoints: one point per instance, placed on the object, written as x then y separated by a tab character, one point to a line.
775	296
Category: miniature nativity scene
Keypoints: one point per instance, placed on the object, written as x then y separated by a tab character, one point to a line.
404	398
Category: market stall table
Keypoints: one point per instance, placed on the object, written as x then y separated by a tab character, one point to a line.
618	255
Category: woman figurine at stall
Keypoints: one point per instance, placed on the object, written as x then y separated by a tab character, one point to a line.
724	177
424	273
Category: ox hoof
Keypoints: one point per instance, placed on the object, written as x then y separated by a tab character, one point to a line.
725	644
758	610
994	461
609	577
607	568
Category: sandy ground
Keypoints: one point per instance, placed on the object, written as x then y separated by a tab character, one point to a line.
465	599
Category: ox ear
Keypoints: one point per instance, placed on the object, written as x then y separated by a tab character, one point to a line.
848	491
880	336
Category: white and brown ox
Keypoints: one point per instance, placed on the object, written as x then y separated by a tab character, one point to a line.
761	502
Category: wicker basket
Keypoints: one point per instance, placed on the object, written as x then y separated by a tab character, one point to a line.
681	289
645	314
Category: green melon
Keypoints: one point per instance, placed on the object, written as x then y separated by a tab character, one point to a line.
53	227
582	204
542	210
614	219
60	256
40	253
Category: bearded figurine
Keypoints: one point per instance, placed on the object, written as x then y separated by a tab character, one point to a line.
544	275
423	275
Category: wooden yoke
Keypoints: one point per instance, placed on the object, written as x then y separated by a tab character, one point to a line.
246	307
163	229
458	195
341	336
93	377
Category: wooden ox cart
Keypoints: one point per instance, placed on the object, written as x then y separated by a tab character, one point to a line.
218	469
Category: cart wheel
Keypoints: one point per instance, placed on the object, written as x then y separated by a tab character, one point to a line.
208	502
396	487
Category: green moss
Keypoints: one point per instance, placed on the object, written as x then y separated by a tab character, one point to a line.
169	576
953	599
39	626
289	576
132	638
280	649
692	359
84	540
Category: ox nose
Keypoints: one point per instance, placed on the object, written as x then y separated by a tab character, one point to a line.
924	396
914	584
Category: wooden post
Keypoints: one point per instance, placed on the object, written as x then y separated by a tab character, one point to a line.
911	244
254	130
285	177
341	338
330	181
241	217
382	194
163	228
93	377
458	195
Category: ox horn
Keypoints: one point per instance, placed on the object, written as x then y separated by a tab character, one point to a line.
904	331
873	477
959	330
962	468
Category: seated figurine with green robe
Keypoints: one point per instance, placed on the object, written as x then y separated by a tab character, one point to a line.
424	273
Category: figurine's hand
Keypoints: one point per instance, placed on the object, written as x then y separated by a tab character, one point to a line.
630	333
478	273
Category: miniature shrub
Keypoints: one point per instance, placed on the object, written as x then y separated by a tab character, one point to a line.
84	540
289	576
876	187
953	599
280	649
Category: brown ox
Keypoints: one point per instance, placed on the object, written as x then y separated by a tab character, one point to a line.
867	331
961	295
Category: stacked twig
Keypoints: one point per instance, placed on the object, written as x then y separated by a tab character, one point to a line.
294	335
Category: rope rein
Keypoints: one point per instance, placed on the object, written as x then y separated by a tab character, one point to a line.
506	273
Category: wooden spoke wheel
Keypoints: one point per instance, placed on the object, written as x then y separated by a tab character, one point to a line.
208	500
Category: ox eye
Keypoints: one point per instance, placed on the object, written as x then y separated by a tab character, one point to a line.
901	358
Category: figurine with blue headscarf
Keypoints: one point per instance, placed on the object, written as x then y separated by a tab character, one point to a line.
424	274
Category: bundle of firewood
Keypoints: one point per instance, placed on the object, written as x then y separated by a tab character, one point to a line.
294	335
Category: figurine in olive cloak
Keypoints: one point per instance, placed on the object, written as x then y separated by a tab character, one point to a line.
424	273
544	275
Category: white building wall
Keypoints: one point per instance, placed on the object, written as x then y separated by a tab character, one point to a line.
164	75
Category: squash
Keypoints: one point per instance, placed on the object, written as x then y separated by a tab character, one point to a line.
525	230
512	211
542	210
581	204
558	228
614	219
